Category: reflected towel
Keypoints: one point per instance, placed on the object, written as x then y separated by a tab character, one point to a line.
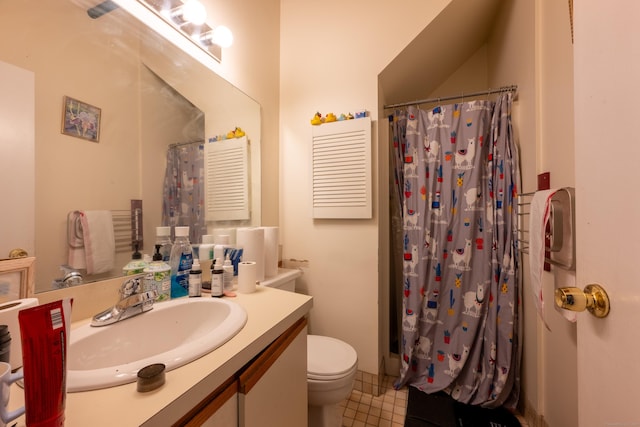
538	218
91	241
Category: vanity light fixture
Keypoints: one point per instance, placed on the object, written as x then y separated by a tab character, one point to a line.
187	20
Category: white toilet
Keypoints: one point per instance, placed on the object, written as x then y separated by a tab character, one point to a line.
331	366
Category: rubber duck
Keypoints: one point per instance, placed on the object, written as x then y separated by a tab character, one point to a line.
239	133
317	119
342	117
330	118
349	116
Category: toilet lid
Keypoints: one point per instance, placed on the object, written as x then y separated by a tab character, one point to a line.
329	358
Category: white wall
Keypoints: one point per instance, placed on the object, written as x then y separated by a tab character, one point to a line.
331	55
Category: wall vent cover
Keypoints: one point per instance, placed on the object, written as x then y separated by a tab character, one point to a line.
342	169
227	180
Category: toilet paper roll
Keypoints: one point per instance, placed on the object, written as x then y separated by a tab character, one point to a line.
247	277
9	316
270	251
218	232
251	239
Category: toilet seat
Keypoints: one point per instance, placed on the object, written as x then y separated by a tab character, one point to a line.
329	359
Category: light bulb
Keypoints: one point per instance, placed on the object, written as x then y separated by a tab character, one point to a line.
222	36
193	11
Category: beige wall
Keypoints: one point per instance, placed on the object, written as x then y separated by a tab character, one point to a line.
61	159
557	364
252	64
331	55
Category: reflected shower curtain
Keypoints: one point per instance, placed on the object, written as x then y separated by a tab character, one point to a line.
457	175
183	194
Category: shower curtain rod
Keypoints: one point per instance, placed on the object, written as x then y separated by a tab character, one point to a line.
180	144
511	88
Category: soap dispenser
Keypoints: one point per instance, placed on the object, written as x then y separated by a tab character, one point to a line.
136	265
158	276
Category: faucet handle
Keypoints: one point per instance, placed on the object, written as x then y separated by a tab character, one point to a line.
131	286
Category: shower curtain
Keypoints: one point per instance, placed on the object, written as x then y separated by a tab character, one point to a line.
457	176
183	193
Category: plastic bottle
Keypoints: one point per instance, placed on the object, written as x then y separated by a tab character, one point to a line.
180	262
206	260
158	276
227	276
163	238
136	265
195	279
217	279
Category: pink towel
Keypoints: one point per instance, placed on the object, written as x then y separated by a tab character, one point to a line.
91	241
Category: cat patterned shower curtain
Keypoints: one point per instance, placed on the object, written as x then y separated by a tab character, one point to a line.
457	174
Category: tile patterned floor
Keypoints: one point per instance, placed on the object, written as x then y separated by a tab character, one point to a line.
366	410
363	409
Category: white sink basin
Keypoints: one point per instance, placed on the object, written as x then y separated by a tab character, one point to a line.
175	333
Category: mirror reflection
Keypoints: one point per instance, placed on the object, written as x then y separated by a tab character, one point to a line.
149	95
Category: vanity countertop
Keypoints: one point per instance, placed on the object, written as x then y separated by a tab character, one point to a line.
270	313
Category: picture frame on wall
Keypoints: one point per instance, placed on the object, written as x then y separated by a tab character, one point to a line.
80	119
17	278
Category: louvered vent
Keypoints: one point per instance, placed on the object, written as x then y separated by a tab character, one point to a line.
227	180
342	169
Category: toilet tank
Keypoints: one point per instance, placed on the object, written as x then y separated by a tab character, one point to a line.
285	279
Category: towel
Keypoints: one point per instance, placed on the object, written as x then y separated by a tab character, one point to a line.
538	218
91	241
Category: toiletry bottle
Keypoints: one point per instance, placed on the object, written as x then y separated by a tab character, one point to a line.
227	269
158	276
195	279
163	238
206	260
217	279
181	260
136	265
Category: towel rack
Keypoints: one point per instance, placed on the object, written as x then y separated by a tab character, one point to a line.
127	227
560	233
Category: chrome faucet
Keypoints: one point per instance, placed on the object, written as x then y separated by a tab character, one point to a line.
132	302
71	277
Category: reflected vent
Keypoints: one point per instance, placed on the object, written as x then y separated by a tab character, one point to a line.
342	169
227	180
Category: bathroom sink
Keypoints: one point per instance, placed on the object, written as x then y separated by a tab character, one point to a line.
175	333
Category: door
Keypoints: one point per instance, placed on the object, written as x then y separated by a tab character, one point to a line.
607	146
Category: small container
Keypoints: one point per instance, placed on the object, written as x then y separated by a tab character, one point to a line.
217	279
195	279
227	269
206	261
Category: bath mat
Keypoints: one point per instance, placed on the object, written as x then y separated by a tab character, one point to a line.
441	410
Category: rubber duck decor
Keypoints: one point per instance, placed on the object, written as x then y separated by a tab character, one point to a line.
330	117
236	133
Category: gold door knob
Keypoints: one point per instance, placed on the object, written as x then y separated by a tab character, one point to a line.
593	298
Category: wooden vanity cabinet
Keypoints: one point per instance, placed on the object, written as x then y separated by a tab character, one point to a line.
271	390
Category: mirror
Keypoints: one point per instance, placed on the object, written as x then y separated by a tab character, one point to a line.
150	95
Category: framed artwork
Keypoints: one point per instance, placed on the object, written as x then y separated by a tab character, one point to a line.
16	278
80	119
